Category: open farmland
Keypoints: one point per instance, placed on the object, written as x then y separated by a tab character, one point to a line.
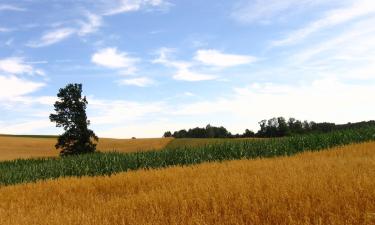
31	170
23	147
38	146
327	187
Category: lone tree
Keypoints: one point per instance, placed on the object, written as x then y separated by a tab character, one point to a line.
71	115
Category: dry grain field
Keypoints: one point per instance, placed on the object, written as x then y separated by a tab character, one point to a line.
13	147
336	186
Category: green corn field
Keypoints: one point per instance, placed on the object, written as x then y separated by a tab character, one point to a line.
98	164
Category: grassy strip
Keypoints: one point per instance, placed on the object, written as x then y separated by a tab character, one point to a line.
21	171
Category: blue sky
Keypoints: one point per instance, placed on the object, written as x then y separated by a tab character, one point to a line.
148	66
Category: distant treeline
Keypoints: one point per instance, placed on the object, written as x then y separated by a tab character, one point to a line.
275	127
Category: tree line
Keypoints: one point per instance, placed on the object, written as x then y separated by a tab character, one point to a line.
274	127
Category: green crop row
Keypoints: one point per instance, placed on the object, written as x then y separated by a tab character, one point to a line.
97	164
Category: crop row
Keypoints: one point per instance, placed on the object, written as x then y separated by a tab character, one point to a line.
97	164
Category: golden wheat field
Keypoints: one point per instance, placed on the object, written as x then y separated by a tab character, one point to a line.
327	187
34	147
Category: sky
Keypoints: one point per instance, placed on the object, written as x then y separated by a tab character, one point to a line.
149	66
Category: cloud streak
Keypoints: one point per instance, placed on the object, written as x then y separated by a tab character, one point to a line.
52	37
212	57
7	7
268	11
12	86
17	66
139	82
124	6
358	9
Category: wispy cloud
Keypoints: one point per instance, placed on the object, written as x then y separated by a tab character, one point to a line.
24	127
138	81
184	71
123	6
12	86
93	23
123	64
267	11
105	111
4	29
358	9
90	25
7	7
17	66
52	37
188	75
214	57
341	46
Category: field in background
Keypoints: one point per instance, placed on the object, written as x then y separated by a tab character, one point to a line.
196	142
23	146
39	146
328	187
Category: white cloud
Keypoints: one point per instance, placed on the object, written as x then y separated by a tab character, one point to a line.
251	103
214	57
189	94
25	127
93	23
41	100
339	56
16	65
164	59
52	37
115	112
340	101
6	7
187	75
187	71
183	68
113	59
266	11
123	6
139	81
11	87
4	29
332	18
322	100
147	129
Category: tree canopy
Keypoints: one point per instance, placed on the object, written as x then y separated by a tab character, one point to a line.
71	116
274	127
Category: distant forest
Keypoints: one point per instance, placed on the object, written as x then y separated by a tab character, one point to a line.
275	127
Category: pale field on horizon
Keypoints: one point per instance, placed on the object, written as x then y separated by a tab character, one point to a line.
332	187
35	147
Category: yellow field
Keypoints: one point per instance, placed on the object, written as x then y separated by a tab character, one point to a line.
32	147
329	187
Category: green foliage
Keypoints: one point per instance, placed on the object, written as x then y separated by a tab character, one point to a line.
274	127
205	132
20	171
71	115
167	134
